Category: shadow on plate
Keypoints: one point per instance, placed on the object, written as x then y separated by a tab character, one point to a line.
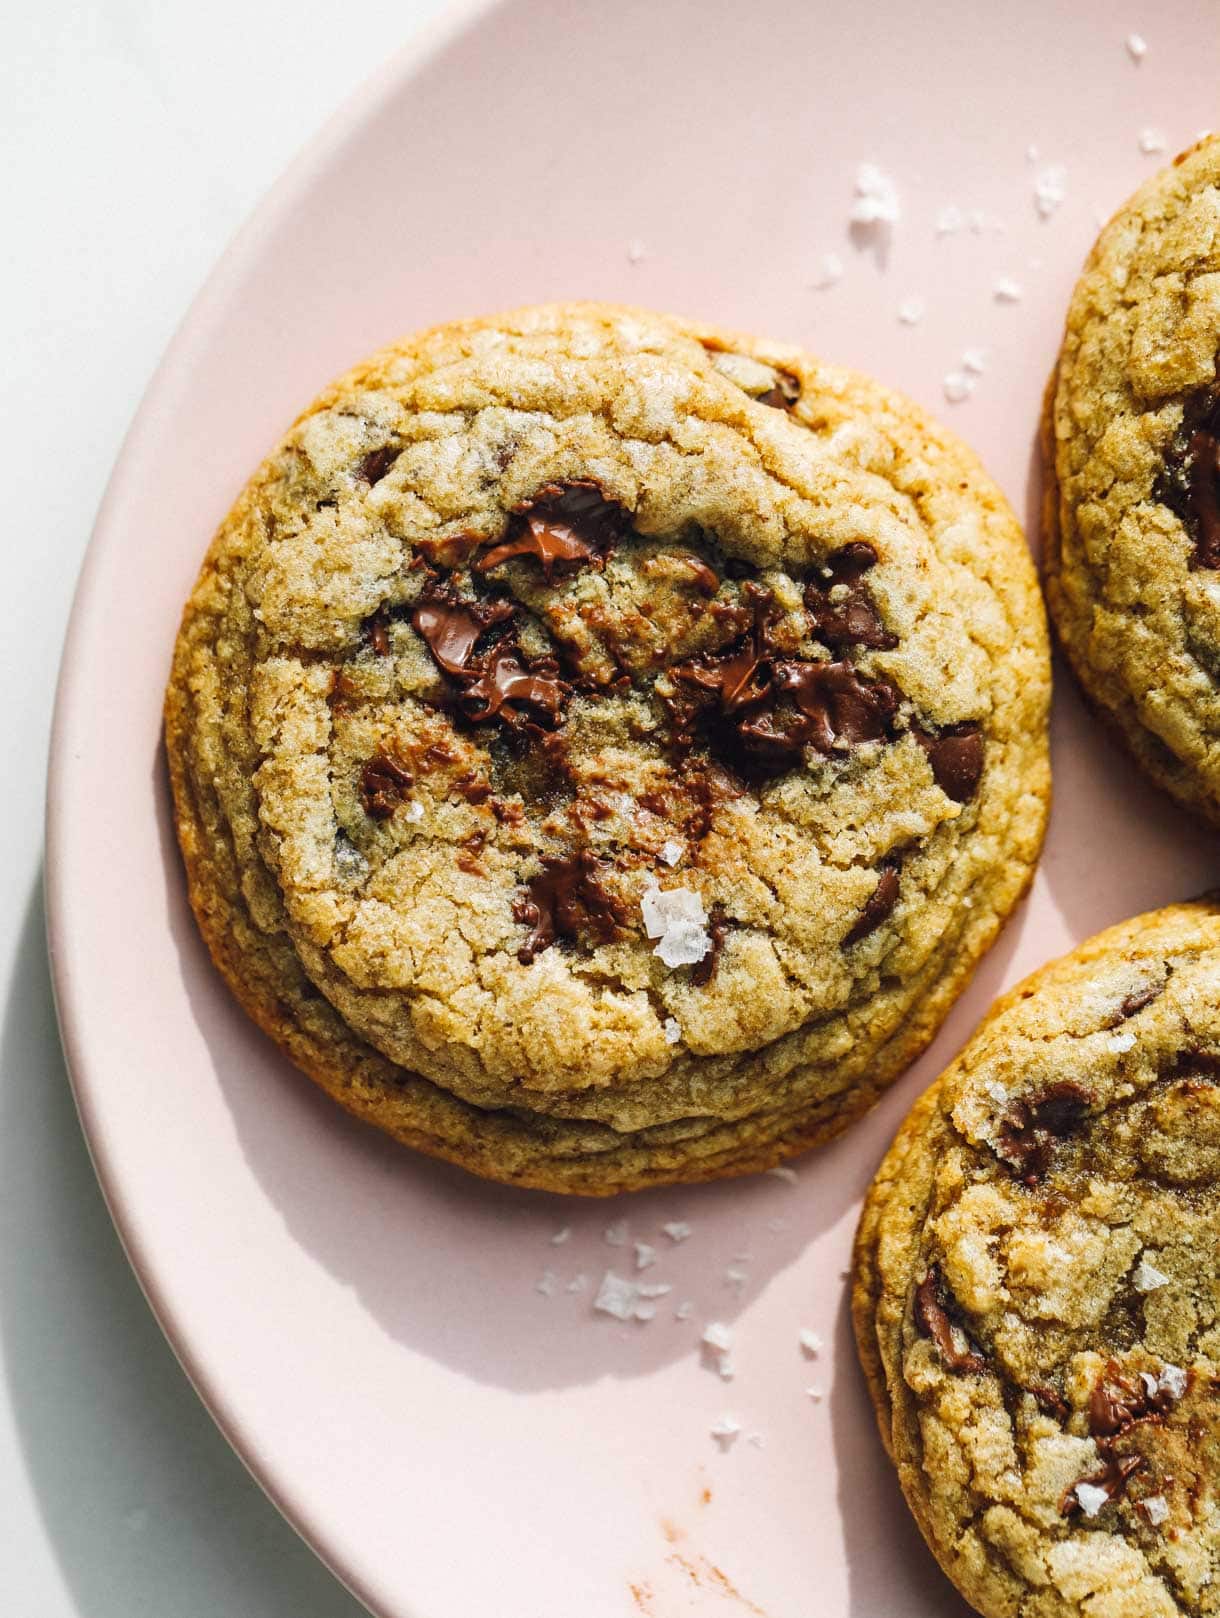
146	1508
477	1280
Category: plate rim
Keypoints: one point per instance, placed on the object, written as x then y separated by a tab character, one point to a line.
344	125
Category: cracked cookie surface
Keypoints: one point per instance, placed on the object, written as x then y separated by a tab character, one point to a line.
1131	452
1037	1289
602	746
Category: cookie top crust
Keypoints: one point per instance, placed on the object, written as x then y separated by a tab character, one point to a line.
1132	451
1037	1287
613	721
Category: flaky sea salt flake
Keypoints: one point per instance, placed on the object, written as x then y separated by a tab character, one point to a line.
684	1310
635	252
1151	141
626	1299
615	1235
1137	47
735	1278
725	1430
645	1256
672	851
677	918
810	1342
672	1029
974	360
547	1284
1156	1509
561	1236
876	200
958	386
911	311
784	1173
1006	290
1147	1278
949	221
678	1230
1050	189
1091	1498
815	1393
717	1336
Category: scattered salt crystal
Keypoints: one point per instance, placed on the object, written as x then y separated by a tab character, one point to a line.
1137	47
735	1278
1006	290
672	851
676	916
635	252
645	1256
616	1234
757	1440
684	1310
548	1284
724	1430
876	198
1156	1509
810	1342
414	812
1031	154
578	1283
949	221
911	311
958	386
677	1230
727	1368
1121	1042
815	1393
974	360
672	1029
1151	140
561	1236
1050	188
828	273
1173	1381
996	1091
1092	1498
717	1336
626	1299
782	1172
1147	1278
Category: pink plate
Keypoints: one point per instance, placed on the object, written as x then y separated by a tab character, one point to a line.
400	1354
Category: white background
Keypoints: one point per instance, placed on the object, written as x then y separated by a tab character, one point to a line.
135	135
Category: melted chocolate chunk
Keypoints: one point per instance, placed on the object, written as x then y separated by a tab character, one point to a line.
1030	1128
451	627
934	1310
1050	1401
377	463
877	906
852	619
502	685
1112	1476
1117	1403
384	784
956	757
377	628
1136	1001
785	392
565	524
770	709
704	971
566	899
1190	482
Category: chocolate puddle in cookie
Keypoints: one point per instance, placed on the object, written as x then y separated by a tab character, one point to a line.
385	782
956	757
841	604
877	906
566	899
495	683
1030	1129
1190	481
933	1310
565	524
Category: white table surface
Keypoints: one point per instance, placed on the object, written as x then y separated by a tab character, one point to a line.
135	136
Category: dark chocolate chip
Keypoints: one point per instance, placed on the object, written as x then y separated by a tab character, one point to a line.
1189	483
1029	1129
934	1319
1112	1476
377	463
384	783
704	971
567	899
877	906
852	619
956	758
784	393
377	628
565	524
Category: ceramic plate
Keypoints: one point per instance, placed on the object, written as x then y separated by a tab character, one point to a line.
406	1358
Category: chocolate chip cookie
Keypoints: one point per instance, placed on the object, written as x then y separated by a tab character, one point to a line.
1037	1287
1132	465
602	746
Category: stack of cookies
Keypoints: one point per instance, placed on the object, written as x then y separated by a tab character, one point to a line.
602	748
